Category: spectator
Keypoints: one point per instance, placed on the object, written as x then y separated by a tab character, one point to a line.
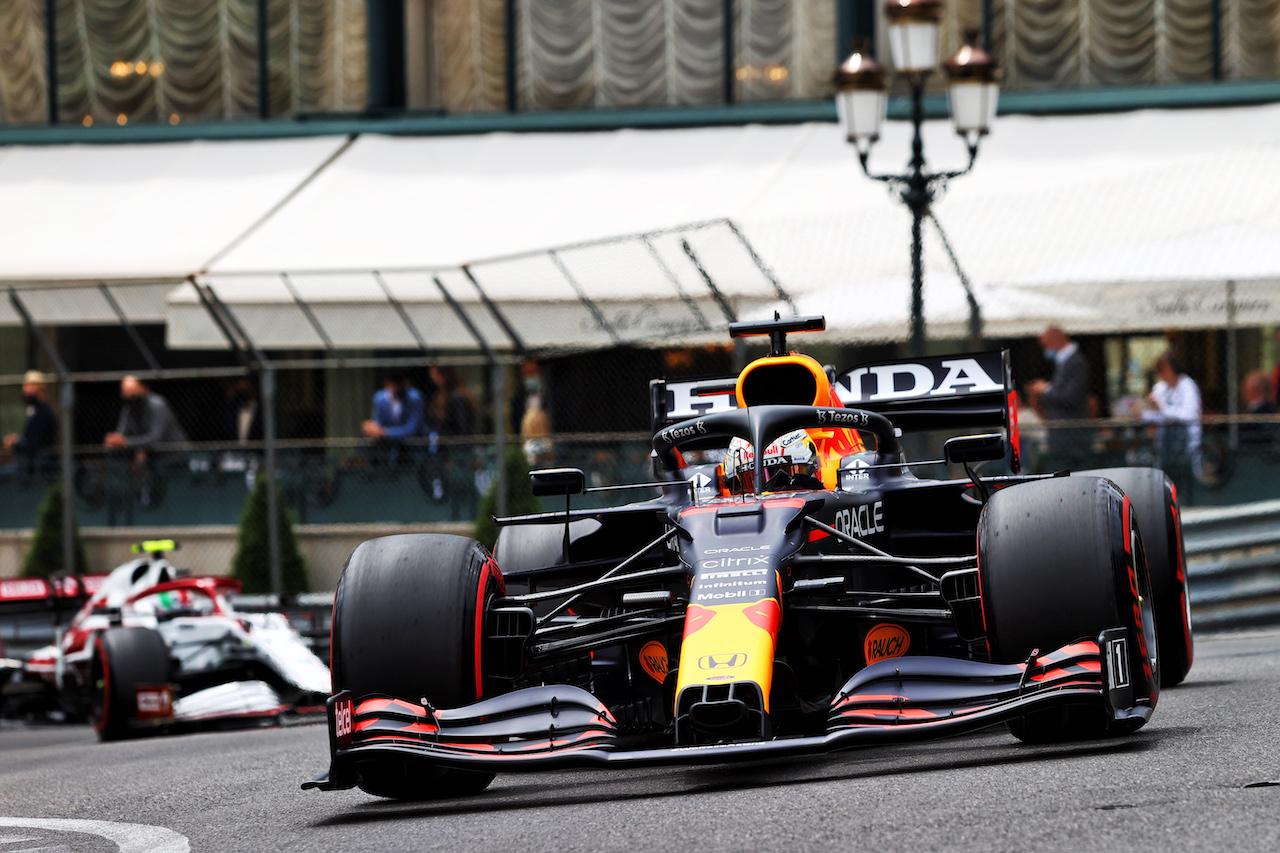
40	430
1176	401
452	413
535	425
1256	391
244	415
451	408
1275	379
1063	397
145	420
398	411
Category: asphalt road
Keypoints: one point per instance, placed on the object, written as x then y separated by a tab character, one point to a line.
1182	783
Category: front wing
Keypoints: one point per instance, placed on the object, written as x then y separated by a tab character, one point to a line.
892	701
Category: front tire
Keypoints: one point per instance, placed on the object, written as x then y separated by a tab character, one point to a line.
123	660
407	622
1059	561
1156	505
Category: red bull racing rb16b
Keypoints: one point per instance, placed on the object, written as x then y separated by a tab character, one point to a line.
792	586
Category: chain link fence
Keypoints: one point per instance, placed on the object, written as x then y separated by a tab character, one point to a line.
622	312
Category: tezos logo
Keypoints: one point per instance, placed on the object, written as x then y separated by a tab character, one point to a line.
722	661
674	434
845	418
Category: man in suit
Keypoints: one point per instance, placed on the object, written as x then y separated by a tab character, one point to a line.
40	430
1064	397
398	411
1256	391
243	415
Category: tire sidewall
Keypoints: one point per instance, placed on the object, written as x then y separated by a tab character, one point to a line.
1155	503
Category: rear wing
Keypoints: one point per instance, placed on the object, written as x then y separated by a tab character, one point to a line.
965	391
24	596
26	590
960	392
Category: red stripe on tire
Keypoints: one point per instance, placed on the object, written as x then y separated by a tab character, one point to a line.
483	585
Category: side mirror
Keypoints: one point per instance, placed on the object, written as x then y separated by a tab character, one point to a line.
967	449
557	481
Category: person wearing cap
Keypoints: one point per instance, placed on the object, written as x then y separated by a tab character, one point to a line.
40	430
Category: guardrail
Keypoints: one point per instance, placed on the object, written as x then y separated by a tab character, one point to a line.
1233	570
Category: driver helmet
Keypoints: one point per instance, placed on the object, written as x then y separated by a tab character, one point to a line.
790	463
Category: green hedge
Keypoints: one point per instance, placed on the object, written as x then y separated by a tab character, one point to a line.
45	556
252	562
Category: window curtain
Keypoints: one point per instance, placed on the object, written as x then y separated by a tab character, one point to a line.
622	53
178	60
1083	43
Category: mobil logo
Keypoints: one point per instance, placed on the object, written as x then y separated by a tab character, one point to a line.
731	661
886	641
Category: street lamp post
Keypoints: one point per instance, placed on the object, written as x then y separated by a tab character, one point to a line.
862	100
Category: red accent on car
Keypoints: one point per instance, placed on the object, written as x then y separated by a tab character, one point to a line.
483	586
1181	570
696	617
766	615
1128	535
1015	436
100	723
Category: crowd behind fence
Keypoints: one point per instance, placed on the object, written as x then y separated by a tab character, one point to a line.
594	415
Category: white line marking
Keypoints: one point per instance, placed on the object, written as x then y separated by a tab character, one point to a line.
129	837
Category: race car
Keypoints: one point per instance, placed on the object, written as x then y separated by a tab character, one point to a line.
792	586
155	651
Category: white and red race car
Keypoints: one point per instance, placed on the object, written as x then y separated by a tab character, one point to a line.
152	651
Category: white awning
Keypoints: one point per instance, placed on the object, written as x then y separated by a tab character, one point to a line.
160	211
1097	222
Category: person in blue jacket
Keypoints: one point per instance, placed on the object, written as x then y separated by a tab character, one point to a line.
398	410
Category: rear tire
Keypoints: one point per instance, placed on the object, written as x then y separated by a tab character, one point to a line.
123	659
1155	503
405	625
1056	565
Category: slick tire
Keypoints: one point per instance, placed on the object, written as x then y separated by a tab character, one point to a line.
1156	506
1058	563
123	660
405	624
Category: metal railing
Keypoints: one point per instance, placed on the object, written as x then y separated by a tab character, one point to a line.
1234	566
